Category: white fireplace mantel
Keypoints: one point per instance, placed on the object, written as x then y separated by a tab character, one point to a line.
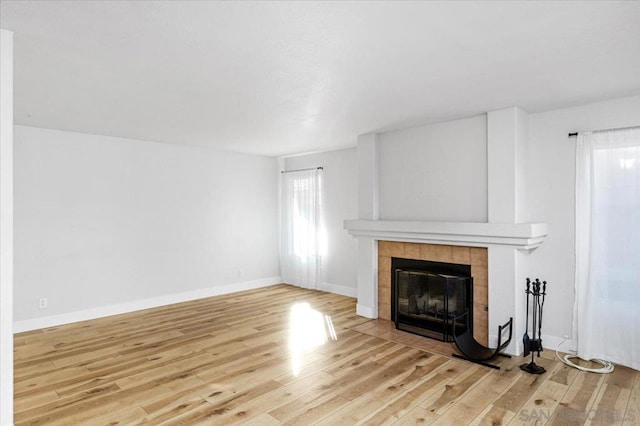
522	236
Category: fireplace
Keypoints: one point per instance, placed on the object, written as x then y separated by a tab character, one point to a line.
427	296
474	256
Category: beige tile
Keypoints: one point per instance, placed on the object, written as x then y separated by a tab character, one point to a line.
384	306
444	253
384	248
384	294
479	256
406	338
480	310
480	314
480	295
384	312
398	249
412	250
481	334
480	318
385	325
480	275
385	334
428	252
384	265
384	280
364	326
461	255
384	301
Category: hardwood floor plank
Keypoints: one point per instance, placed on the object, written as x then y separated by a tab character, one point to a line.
21	373
610	405
632	412
61	408
126	416
429	396
222	408
363	356
276	397
455	389
314	409
361	407
518	394
29	402
578	400
393	370
493	416
417	416
262	420
235	359
343	353
473	402
413	393
48	380
175	410
543	401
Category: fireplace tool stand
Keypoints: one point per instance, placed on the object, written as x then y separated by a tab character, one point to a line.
533	344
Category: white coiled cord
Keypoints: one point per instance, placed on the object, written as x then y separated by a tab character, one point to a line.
607	366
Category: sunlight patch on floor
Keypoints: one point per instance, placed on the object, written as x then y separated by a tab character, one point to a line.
308	329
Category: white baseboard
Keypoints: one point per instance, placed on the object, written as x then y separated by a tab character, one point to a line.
137	305
365	311
552	342
549	343
339	289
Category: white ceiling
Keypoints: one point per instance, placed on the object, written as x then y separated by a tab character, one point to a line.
278	78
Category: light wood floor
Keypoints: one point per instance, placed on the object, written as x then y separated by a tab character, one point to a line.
249	358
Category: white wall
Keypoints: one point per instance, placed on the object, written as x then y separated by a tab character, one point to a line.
6	227
104	221
339	202
551	199
435	173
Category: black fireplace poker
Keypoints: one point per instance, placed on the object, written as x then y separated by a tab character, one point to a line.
533	344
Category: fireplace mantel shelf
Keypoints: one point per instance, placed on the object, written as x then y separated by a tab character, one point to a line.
523	236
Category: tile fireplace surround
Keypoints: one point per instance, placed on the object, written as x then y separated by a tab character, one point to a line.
496	252
474	256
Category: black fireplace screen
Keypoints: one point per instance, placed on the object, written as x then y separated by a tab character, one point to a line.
428	296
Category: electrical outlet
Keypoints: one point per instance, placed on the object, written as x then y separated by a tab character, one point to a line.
42	303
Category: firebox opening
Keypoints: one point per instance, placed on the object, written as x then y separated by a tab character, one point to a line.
427	296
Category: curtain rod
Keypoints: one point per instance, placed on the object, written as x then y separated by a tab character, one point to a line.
302	170
574	134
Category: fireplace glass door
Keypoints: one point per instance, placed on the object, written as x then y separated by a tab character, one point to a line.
427	303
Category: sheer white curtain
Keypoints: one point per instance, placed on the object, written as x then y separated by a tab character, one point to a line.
607	310
300	228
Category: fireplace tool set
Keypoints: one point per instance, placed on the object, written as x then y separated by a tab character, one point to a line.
536	291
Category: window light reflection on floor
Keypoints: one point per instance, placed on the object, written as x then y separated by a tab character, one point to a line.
308	329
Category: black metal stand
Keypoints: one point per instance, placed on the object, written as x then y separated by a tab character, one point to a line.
475	352
532	368
533	344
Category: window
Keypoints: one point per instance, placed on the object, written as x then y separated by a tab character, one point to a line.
300	228
608	246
